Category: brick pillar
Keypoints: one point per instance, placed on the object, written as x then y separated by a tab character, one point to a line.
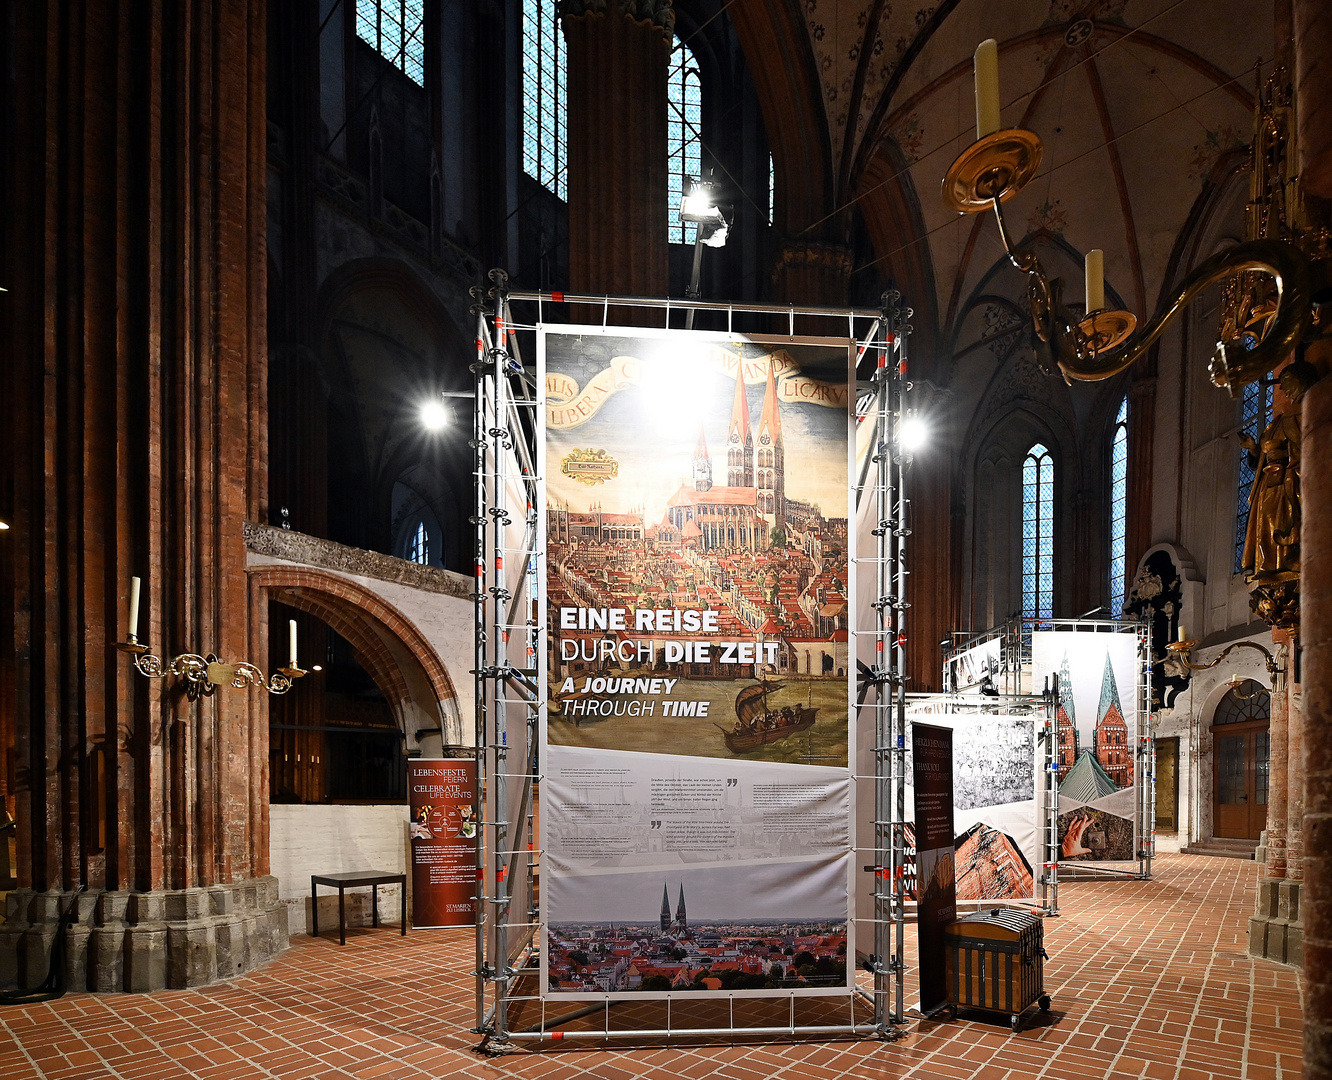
1313	94
617	67
1311	734
134	444
1279	771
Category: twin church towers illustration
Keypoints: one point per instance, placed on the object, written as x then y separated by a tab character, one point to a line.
1091	773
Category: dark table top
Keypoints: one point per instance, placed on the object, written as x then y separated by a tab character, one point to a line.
358	877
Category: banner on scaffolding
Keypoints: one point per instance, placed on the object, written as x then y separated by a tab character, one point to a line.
441	796
1097	730
696	792
996	768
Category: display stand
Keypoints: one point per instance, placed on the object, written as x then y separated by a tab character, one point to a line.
1013	642
1041	707
509	686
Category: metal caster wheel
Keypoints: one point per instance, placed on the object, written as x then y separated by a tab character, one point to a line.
1044	1002
1014	1020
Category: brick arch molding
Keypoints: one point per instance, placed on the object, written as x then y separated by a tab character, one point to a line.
357	614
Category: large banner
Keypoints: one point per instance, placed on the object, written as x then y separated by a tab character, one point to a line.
696	799
932	779
441	794
996	770
1097	725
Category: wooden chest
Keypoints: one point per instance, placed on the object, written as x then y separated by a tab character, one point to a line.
996	960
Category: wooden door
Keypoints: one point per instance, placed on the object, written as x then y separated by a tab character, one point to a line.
1240	762
1240	752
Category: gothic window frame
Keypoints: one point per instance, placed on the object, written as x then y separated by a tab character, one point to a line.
1038	493
545	97
1255	415
395	29
1119	509
684	136
418	545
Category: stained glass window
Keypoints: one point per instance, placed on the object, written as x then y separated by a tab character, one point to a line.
396	30
1038	533
1118	508
1255	415
545	122
684	138
418	549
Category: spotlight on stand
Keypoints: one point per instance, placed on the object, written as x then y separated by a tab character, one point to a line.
435	415
913	434
699	208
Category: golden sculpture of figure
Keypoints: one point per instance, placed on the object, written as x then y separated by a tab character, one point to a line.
1272	542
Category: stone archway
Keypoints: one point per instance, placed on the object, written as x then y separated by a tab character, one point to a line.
398	656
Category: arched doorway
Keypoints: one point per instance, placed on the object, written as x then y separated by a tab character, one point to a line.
1240	752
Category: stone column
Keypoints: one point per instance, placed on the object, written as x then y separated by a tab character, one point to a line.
1313	94
1309	852
1279	769
134	444
617	66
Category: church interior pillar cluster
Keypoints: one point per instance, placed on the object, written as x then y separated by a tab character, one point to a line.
242	249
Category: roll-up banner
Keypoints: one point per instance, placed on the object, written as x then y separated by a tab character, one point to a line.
932	776
442	833
1097	727
696	793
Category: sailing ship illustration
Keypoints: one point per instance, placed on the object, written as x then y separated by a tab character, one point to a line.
757	725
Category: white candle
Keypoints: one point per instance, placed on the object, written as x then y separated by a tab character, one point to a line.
291	625
986	66
1182	635
134	609
1094	270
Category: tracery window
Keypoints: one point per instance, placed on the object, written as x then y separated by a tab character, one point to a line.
1038	533
418	548
1255	415
1118	508
396	30
684	139
545	117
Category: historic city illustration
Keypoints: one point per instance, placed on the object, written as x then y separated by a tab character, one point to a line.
697	549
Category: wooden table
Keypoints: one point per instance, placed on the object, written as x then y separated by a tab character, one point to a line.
353	880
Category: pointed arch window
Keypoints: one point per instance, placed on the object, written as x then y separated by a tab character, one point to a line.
396	30
418	547
1038	533
1118	508
684	136
545	116
1255	415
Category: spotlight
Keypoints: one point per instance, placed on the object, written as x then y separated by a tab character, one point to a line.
4	526
912	434
317	667
434	415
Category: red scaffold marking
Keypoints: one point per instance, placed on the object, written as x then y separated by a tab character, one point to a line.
557	1034
499	562
901	640
883	359
504	636
558	297
480	569
878	646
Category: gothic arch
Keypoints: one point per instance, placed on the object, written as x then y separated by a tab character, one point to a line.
403	664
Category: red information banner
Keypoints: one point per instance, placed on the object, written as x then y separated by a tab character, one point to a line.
442	796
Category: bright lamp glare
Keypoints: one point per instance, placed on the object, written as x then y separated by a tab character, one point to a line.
434	415
913	433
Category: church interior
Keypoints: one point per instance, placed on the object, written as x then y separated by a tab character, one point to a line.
242	245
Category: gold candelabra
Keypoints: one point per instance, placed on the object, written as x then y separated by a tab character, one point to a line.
1102	342
1181	650
204	674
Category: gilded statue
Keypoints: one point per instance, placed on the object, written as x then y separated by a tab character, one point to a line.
1272	542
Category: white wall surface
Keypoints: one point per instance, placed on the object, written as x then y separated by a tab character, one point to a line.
332	839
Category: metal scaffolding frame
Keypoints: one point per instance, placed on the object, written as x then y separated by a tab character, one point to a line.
1016	677
509	690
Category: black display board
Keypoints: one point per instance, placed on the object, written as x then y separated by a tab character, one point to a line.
932	771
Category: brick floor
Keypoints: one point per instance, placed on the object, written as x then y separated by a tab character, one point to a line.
1150	980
